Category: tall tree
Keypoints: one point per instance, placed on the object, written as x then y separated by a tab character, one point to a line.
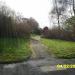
59	7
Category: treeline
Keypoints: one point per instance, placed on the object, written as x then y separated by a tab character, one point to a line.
13	25
63	18
65	32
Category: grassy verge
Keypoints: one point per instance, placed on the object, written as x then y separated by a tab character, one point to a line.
61	49
14	49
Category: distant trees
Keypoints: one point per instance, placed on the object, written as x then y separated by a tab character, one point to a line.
63	14
13	25
35	26
23	28
67	31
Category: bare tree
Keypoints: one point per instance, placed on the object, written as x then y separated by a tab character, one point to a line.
59	8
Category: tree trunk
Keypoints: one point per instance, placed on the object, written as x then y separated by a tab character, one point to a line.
73	7
57	14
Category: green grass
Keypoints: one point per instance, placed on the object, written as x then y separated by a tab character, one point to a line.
60	48
14	49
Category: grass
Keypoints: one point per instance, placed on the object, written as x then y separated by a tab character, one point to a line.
14	49
60	48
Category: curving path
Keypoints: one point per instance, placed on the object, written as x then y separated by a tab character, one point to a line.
40	63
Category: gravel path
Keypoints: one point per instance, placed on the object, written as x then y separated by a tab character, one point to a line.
40	63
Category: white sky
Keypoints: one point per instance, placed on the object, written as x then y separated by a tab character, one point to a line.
38	9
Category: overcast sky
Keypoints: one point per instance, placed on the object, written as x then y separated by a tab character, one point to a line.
38	9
